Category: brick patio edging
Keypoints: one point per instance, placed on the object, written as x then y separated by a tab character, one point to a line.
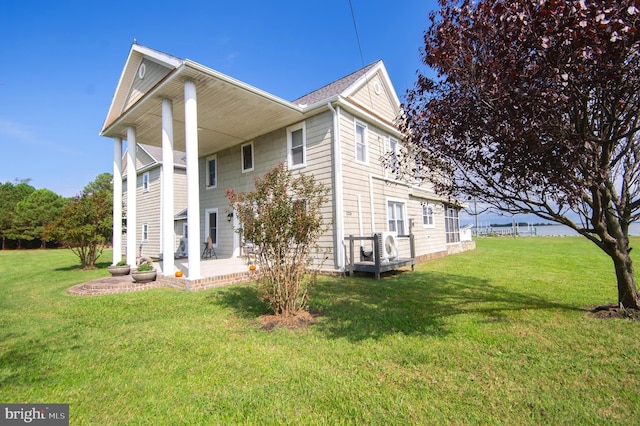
207	282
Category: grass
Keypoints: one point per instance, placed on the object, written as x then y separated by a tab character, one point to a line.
494	336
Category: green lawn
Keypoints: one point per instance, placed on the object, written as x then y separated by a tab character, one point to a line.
498	335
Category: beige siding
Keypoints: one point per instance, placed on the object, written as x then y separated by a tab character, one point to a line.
369	186
154	72
269	150
149	208
375	96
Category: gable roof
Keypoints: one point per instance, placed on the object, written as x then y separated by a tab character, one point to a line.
335	88
137	54
179	157
229	111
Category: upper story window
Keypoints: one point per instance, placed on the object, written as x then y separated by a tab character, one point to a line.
247	157
212	171
394	160
418	174
145	182
297	146
427	216
361	142
395	215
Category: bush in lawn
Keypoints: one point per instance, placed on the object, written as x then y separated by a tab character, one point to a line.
86	222
283	217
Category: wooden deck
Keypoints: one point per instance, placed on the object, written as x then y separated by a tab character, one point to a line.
377	265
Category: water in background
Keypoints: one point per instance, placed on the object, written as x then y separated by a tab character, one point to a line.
542	231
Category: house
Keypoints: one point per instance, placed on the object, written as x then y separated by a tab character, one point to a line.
149	181
232	133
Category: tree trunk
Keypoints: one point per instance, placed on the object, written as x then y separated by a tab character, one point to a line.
627	291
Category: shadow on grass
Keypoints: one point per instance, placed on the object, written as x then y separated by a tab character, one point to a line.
78	267
416	303
243	299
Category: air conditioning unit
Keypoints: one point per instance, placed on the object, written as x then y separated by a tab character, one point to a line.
183	250
388	246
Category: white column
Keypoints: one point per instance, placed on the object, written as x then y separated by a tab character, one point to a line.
117	200
132	183
193	189
168	240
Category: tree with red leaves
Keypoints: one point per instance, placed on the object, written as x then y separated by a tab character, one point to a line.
535	109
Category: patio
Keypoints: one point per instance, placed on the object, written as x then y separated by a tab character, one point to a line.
215	273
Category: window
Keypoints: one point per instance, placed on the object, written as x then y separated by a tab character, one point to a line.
452	225
427	216
361	143
247	157
418	174
145	232
394	162
211	225
395	213
212	171
145	182
296	141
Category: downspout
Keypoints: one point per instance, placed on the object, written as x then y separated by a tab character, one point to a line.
338	194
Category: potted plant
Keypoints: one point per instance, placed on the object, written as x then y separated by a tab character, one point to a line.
119	269
144	273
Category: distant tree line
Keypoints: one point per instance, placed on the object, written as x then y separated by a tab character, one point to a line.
31	218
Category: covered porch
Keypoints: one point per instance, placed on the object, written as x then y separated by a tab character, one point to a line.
180	105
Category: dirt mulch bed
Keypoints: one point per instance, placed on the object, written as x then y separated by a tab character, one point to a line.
302	319
614	311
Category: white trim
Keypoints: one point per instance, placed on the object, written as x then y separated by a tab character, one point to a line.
167	229
405	221
142	70
207	224
253	157
207	182
338	192
357	123
431	206
193	178
117	200
300	126
368	76
132	227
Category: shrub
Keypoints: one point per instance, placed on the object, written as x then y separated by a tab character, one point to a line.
283	217
145	267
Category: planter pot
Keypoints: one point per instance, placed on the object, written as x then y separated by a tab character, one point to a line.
144	277
117	271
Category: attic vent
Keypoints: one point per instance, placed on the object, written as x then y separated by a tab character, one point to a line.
377	88
142	70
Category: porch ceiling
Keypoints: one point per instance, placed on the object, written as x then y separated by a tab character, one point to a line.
229	111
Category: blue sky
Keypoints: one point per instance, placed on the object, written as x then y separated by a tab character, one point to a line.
60	62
